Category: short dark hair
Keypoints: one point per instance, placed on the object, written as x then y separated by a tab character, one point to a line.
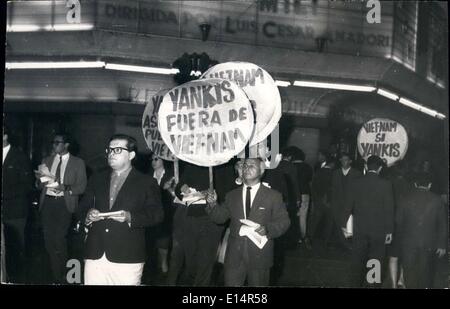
344	154
288	151
374	163
328	158
131	141
298	154
67	137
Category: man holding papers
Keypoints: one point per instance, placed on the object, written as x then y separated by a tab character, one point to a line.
257	215
62	178
117	206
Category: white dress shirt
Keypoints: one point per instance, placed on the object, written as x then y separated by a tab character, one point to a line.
5	152
345	172
158	179
65	159
253	192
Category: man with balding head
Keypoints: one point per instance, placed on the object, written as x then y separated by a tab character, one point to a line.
256	202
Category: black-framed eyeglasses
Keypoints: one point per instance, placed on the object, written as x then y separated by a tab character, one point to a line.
115	150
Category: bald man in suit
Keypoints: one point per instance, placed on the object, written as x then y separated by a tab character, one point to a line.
256	202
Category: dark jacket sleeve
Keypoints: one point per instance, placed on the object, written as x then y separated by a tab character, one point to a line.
87	201
350	202
151	212
398	230
389	208
81	179
25	178
442	225
279	222
221	212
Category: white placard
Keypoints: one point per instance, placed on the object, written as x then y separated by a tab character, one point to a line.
206	122
150	129
385	138
260	89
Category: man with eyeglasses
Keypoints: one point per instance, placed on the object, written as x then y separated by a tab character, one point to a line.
59	199
264	206
115	246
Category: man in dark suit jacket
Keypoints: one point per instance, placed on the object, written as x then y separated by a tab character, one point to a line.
243	259
115	250
304	176
321	222
59	199
372	206
421	233
17	184
340	188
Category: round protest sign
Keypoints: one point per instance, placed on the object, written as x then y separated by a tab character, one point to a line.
150	129
206	122
260	89
383	137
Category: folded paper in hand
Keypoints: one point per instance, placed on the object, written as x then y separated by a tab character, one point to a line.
248	229
44	174
52	185
193	197
111	214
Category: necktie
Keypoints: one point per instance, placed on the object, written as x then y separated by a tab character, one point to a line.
248	202
58	171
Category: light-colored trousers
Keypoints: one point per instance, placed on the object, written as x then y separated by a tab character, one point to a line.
104	272
303	214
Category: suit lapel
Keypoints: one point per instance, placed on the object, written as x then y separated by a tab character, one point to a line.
49	162
259	198
68	168
240	203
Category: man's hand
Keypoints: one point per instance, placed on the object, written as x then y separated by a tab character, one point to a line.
185	189
92	216
388	239
261	230
440	252
211	198
60	188
125	216
169	184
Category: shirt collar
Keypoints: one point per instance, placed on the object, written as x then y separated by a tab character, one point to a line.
345	171
254	187
64	157
125	172
161	176
6	149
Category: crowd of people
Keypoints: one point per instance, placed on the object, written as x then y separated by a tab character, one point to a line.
390	217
